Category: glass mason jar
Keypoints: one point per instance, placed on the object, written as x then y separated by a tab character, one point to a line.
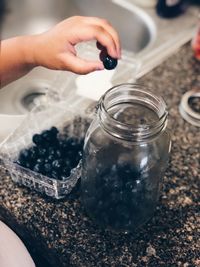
125	155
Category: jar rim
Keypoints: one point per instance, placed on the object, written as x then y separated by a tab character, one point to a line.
130	131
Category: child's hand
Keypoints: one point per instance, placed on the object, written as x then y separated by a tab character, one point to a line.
55	49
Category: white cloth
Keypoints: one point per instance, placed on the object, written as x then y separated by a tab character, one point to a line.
13	253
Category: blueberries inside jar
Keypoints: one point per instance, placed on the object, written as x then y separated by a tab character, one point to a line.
122	198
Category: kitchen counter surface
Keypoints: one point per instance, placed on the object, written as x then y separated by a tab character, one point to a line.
60	233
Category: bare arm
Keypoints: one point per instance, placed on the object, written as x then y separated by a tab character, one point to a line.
55	49
15	59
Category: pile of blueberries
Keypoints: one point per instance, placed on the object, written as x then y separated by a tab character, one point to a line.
52	155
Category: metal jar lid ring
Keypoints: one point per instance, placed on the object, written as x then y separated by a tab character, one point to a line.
186	111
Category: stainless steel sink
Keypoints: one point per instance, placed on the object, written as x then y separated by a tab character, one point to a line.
144	36
135	27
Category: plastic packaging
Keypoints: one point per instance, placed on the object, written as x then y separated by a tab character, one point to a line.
69	121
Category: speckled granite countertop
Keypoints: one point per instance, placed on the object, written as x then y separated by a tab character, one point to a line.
61	233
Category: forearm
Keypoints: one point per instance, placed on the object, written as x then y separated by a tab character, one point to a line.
56	48
16	58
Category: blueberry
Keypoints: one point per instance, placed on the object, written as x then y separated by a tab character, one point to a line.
81	142
24	154
33	153
47	167
57	164
79	147
46	160
24	157
21	162
122	214
50	151
40	161
46	135
49	137
78	156
54	174
50	159
117	185
37	167
110	63
129	186
54	131
58	154
64	146
74	161
72	142
29	165
103	54
42	152
71	154
66	171
127	172
62	143
37	139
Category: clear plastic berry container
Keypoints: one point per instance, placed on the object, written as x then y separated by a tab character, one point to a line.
69	122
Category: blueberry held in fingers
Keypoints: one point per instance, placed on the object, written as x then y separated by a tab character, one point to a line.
110	63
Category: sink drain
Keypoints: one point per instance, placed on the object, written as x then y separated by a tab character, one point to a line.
21	97
29	101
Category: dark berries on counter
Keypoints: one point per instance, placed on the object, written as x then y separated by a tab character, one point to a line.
52	155
110	63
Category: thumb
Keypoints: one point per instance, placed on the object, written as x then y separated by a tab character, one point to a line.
81	66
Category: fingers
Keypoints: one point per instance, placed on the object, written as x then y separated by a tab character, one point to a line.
90	28
79	65
108	27
61	54
105	39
